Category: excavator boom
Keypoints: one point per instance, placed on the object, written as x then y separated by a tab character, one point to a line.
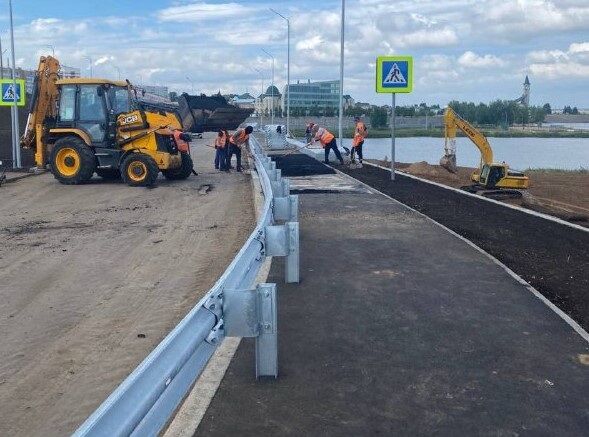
43	106
452	122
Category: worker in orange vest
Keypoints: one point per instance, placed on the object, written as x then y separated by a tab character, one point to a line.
360	133
328	142
222	150
237	140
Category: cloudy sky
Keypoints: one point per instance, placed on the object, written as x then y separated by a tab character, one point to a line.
475	50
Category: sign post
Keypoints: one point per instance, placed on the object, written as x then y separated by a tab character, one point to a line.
394	74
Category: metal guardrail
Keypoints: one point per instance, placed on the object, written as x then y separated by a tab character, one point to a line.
145	401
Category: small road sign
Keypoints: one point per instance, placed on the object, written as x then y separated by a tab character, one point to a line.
8	94
394	74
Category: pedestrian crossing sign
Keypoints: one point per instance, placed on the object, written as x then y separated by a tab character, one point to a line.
394	74
8	93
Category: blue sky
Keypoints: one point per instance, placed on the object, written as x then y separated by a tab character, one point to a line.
475	50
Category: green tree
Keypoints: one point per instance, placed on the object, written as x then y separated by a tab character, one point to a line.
379	118
547	108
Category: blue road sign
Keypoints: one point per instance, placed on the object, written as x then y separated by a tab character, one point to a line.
8	94
394	74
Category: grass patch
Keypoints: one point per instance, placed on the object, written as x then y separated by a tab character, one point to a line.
580	170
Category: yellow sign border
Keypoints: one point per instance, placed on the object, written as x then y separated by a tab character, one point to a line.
22	97
379	74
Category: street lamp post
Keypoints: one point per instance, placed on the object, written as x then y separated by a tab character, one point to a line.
118	72
287	69
191	84
341	76
15	127
89	59
272	86
262	80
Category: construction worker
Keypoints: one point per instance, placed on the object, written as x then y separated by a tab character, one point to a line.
222	150
328	142
237	140
309	132
360	133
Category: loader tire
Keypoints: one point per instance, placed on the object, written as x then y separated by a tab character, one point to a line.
72	161
109	174
183	172
139	170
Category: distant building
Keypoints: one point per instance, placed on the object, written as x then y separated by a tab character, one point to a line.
69	72
363	106
525	98
349	102
270	99
157	90
308	97
245	101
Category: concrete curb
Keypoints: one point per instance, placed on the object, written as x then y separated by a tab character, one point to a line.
23	176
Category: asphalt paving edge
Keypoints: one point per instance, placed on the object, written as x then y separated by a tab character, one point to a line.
576	327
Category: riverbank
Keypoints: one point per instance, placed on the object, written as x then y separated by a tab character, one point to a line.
439	133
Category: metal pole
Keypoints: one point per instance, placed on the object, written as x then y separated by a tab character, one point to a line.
341	76
272	90
1	61
15	126
393	120
288	76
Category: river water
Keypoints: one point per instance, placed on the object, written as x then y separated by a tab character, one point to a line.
519	153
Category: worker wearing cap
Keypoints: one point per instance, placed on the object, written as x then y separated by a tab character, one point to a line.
360	133
237	140
328	142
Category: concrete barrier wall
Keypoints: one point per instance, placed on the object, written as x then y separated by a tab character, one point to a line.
299	123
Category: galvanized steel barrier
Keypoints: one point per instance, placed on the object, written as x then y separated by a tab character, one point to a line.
234	307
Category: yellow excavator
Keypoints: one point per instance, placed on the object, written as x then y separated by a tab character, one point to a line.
491	176
82	126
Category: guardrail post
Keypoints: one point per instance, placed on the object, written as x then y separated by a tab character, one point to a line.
283	240
267	340
286	208
253	313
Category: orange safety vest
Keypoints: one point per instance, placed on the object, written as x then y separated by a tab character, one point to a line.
221	141
242	138
180	143
326	138
360	134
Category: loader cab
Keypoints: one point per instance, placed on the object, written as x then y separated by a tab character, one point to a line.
90	106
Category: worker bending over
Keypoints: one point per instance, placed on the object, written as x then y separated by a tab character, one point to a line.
360	133
222	150
237	140
328	142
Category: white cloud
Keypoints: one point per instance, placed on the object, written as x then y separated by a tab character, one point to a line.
472	60
558	64
202	11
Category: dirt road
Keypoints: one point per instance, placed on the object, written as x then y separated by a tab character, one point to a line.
92	277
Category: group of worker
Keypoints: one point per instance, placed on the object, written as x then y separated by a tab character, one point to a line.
227	145
315	133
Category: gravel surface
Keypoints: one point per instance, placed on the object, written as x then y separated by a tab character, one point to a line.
92	277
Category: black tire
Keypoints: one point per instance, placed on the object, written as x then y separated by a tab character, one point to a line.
139	170
72	161
109	174
183	172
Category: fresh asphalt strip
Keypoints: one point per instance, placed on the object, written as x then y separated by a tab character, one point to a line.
552	257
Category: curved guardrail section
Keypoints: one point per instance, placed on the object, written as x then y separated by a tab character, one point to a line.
145	401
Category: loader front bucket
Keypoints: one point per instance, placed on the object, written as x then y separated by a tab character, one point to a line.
449	163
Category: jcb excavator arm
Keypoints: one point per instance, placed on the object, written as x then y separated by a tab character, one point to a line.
43	106
453	121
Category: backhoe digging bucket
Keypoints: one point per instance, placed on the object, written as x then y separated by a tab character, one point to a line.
449	163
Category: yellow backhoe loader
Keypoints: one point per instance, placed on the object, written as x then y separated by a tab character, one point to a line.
491	177
83	126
